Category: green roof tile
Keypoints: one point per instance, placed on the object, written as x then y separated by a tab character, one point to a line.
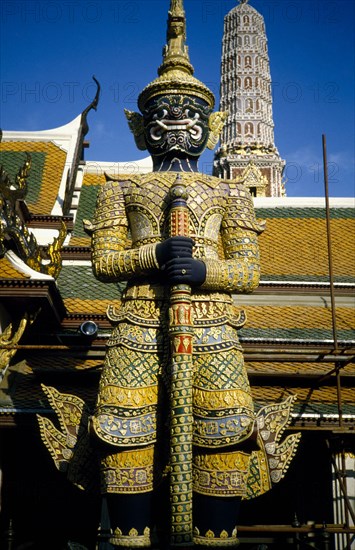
78	282
86	208
304	213
12	161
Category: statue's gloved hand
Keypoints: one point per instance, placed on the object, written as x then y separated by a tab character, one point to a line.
174	247
185	271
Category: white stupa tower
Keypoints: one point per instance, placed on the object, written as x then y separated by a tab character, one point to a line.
247	143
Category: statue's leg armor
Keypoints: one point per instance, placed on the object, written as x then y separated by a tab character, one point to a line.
127	482
127	421
224	421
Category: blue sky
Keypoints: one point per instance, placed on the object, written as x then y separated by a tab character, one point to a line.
50	49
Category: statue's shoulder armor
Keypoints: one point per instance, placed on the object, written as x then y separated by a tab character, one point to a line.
110	209
242	206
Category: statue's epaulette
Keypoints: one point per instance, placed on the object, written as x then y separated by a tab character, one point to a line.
246	213
110	210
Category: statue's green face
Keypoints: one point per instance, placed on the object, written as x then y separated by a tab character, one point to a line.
176	126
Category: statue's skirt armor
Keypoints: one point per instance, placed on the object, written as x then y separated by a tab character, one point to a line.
134	393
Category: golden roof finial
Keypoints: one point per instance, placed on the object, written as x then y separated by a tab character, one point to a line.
176	71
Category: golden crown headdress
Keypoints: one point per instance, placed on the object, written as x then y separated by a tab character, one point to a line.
175	74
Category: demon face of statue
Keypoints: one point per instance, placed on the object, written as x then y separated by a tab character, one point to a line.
176	126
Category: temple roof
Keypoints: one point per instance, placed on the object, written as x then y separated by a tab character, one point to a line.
52	154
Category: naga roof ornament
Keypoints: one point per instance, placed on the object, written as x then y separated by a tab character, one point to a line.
175	74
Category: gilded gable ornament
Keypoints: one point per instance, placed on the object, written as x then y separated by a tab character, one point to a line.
12	227
8	341
253	179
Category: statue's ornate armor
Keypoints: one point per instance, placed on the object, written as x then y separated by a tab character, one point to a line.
131	218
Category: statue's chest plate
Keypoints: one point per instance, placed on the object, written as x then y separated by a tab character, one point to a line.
147	204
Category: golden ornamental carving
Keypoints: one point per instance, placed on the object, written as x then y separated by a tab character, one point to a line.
135	123
70	446
12	226
252	177
132	540
211	539
257	149
216	123
8	339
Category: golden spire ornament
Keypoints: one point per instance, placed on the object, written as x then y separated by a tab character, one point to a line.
176	71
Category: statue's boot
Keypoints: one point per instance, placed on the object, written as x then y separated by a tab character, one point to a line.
131	519
215	521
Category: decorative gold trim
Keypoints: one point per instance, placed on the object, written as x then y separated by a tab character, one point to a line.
210	539
128	397
222	474
216	123
135	123
128	471
70	446
269	465
147	257
132	540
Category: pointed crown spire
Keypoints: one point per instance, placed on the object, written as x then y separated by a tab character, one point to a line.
176	53
176	72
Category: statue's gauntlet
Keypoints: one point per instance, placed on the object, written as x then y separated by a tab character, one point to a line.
115	265
231	276
240	270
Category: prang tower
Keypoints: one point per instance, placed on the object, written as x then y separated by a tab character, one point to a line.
247	147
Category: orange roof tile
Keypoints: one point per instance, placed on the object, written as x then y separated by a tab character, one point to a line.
54	163
41	362
298	316
298	246
326	395
8	271
287	368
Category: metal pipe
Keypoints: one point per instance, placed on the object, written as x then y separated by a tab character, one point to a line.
341	484
338	367
330	256
339	395
256	356
332	528
329	428
331	276
283	358
343	467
